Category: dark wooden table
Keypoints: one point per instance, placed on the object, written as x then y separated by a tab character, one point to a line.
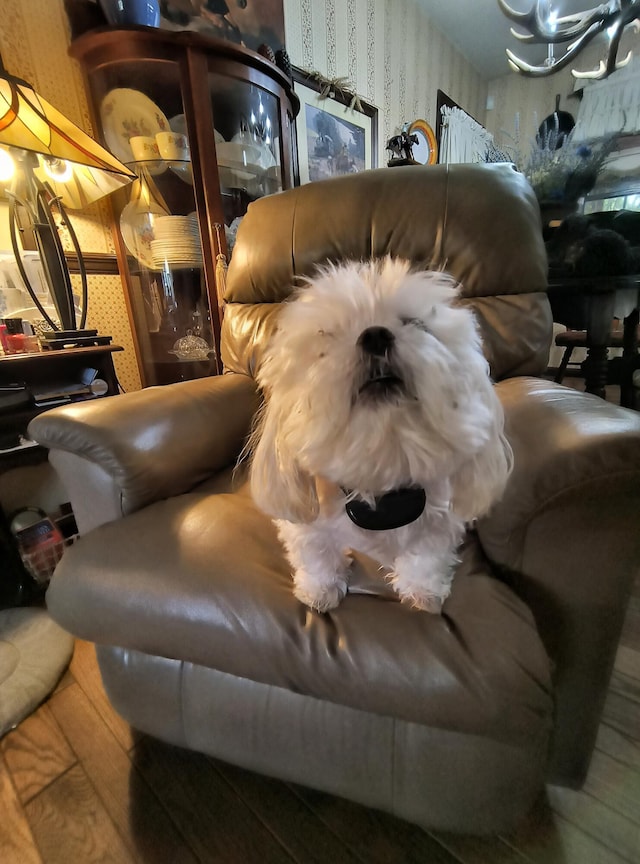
591	304
49	371
38	372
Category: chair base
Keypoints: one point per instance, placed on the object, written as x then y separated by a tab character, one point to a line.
437	778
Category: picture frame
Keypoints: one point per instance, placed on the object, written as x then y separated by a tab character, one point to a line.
249	24
333	135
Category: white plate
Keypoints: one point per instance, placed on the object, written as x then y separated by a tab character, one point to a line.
179	124
137	232
124	113
243	170
183	170
232	154
190	222
136	226
264	157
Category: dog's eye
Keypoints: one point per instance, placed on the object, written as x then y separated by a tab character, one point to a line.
416	322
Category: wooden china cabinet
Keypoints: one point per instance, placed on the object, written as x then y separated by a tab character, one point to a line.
207	127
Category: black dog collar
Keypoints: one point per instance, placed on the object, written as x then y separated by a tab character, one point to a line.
391	510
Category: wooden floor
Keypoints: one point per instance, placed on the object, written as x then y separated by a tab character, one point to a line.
77	785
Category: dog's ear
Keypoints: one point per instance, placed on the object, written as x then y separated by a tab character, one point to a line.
480	480
280	487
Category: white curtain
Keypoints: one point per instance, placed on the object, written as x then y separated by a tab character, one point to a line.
462	138
610	107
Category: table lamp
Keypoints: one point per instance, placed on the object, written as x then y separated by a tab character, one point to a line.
49	164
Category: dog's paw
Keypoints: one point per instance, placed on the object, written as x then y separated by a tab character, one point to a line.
319	595
423	600
413	589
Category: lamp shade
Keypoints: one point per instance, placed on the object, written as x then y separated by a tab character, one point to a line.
82	185
29	122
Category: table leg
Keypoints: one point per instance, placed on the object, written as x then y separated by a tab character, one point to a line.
629	358
600	318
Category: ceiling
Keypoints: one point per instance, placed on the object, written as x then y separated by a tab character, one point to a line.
481	31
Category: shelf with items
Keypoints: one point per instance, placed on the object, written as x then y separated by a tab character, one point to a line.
33	383
206	126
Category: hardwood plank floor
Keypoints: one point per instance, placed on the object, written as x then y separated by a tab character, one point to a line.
78	785
36	754
70	823
109	769
17	845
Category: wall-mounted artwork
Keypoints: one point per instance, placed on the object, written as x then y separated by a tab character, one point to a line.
247	22
333	135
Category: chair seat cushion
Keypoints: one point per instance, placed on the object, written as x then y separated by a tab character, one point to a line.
202	578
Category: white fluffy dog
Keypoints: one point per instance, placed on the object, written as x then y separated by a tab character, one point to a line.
381	431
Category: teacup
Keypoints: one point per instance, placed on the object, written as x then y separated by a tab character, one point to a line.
144	148
173	146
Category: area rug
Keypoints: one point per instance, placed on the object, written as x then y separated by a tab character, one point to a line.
34	653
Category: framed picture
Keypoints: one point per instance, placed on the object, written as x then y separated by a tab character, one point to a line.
332	136
246	23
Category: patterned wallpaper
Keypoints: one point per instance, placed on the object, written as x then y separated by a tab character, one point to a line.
389	50
33	40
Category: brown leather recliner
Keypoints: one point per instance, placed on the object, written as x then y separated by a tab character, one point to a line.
452	721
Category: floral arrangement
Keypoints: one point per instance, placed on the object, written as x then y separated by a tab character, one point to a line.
560	169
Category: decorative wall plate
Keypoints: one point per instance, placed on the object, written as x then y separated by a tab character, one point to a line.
137	233
125	113
426	150
179	124
138	217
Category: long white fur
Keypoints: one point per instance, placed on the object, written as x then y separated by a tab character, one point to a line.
316	436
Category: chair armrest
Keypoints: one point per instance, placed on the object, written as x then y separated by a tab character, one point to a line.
119	454
566	536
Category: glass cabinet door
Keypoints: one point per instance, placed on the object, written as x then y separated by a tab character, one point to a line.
206	126
248	141
144	126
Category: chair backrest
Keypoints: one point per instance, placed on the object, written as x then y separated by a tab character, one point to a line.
480	223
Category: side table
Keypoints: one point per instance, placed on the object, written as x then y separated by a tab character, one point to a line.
45	378
591	303
50	377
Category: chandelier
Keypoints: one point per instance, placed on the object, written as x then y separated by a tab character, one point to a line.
575	31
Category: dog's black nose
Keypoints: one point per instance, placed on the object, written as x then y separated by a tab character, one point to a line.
376	341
